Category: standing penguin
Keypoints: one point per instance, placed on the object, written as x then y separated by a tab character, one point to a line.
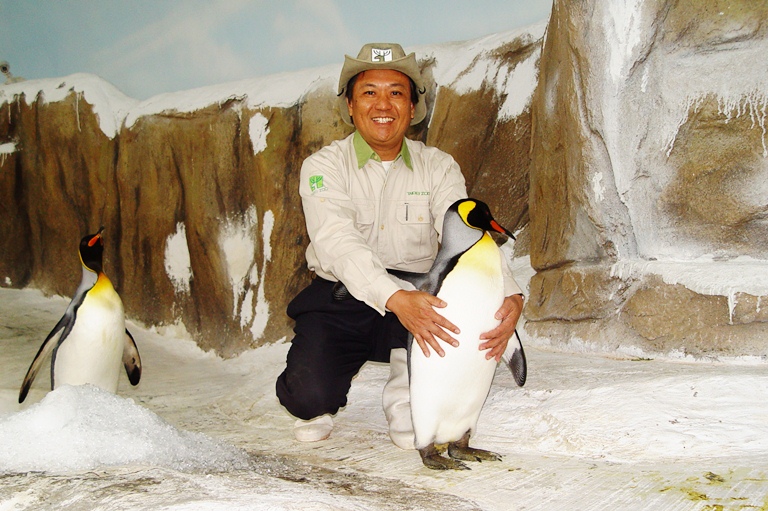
448	393
90	340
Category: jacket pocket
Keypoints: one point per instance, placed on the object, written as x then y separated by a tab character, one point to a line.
365	215
416	238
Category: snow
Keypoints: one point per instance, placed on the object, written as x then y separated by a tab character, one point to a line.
258	128
730	77
586	432
178	264
598	188
238	243
279	90
463	66
468	66
703	275
236	240
109	104
751	103
520	87
261	310
202	433
6	149
84	427
626	33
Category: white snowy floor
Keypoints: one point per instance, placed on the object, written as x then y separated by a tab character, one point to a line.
586	432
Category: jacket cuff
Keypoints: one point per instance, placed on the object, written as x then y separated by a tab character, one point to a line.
384	288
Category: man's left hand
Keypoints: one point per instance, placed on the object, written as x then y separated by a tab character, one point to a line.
496	340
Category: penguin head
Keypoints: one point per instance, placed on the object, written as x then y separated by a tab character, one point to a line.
92	251
477	215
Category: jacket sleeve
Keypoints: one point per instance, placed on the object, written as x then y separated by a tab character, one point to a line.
448	187
511	287
338	244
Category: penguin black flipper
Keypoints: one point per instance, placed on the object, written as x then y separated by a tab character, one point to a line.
131	359
517	362
440	269
58	334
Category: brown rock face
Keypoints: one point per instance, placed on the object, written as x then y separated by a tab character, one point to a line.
59	184
649	146
196	176
202	227
638	174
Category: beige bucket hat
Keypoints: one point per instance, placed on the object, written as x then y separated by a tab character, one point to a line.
382	56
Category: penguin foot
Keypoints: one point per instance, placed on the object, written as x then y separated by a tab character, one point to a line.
467	453
432	459
460	450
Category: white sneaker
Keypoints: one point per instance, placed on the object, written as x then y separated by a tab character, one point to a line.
313	430
396	400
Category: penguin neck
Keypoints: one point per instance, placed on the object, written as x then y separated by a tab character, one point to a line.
88	280
458	237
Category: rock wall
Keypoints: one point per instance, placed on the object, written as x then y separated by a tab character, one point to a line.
200	203
636	173
649	177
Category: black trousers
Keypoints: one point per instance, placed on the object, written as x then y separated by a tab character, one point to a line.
334	338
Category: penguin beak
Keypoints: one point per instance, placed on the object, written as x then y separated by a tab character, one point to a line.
500	229
96	237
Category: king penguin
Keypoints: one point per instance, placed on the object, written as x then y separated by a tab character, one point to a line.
448	393
90	341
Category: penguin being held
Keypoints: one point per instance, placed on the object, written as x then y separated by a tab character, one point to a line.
90	342
447	393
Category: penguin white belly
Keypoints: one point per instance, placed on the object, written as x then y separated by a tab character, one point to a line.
92	352
448	393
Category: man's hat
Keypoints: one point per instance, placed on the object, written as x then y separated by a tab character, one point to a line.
382	56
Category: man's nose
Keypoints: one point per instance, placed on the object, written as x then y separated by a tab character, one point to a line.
384	102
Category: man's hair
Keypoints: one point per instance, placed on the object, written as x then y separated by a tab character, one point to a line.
351	85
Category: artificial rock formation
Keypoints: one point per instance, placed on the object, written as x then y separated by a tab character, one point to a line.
636	173
649	177
200	203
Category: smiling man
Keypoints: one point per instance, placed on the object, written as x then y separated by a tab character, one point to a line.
373	202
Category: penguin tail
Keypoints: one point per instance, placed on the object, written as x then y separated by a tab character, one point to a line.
131	359
517	363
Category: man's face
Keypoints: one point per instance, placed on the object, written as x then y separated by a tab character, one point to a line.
381	109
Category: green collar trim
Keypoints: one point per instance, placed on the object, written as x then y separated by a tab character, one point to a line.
364	152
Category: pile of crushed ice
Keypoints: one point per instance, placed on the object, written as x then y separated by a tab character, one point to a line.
84	427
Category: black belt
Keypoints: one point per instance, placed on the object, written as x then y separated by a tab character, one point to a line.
340	291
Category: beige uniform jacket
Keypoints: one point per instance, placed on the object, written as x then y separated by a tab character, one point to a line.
363	220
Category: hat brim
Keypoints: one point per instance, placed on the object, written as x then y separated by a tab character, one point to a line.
406	65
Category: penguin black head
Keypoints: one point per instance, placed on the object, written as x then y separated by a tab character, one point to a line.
476	214
92	251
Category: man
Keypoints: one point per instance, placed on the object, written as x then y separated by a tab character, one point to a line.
373	201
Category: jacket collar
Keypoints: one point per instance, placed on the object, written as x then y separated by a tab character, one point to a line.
364	152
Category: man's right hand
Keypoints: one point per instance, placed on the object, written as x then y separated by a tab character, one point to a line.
415	310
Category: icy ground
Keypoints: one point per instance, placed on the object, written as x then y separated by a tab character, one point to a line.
200	433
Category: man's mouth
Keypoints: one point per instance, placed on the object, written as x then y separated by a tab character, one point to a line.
383	120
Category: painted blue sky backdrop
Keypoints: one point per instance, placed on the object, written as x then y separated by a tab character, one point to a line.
146	47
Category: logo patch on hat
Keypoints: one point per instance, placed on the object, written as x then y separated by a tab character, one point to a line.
381	54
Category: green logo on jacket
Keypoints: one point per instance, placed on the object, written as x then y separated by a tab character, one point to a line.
315	183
